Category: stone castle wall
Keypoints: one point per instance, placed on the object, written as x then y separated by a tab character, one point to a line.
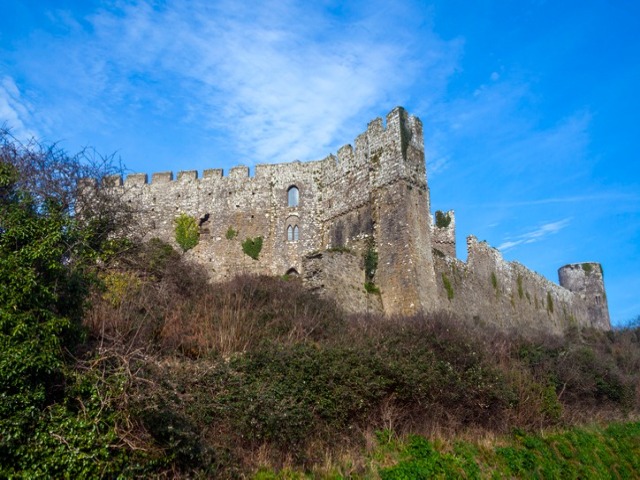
490	290
371	197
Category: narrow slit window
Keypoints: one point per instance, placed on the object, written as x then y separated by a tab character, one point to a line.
293	196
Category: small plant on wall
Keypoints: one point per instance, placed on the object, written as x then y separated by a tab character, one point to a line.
447	286
442	219
231	234
252	247
187	232
370	266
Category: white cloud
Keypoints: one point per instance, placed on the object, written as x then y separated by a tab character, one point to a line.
282	80
14	110
536	235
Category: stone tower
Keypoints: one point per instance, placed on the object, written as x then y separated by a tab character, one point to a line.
400	200
587	281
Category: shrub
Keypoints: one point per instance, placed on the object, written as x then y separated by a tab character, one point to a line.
53	421
187	232
252	247
442	219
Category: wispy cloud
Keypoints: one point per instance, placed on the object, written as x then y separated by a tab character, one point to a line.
14	110
497	132
536	235
282	79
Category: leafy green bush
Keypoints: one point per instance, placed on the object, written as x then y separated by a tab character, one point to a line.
187	232
252	247
53	420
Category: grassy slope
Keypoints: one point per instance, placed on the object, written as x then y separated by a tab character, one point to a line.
611	452
223	380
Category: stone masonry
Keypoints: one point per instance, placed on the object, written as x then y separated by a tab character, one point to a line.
321	219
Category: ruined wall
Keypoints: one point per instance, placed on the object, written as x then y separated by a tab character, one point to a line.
586	281
338	276
371	196
487	289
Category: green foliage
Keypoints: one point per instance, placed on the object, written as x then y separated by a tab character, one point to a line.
494	281
447	286
52	421
442	219
420	461
371	287
370	262
117	285
587	267
252	247
577	453
549	302
187	232
231	233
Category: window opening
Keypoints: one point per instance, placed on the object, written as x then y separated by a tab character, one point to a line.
290	233
293	196
295	233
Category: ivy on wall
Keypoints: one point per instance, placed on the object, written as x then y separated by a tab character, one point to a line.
252	247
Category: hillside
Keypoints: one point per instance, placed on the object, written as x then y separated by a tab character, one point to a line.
230	377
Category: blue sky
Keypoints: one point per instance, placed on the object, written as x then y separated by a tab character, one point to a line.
531	108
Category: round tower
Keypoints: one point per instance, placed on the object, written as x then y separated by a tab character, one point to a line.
587	281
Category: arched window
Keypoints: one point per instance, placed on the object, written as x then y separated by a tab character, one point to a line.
292	196
292	233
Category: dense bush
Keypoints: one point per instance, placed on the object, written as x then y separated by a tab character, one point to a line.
55	420
187	232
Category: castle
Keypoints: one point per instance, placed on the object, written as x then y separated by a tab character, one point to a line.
357	226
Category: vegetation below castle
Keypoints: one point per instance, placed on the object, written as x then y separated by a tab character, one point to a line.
120	359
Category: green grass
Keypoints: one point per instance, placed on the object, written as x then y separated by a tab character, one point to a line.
611	452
